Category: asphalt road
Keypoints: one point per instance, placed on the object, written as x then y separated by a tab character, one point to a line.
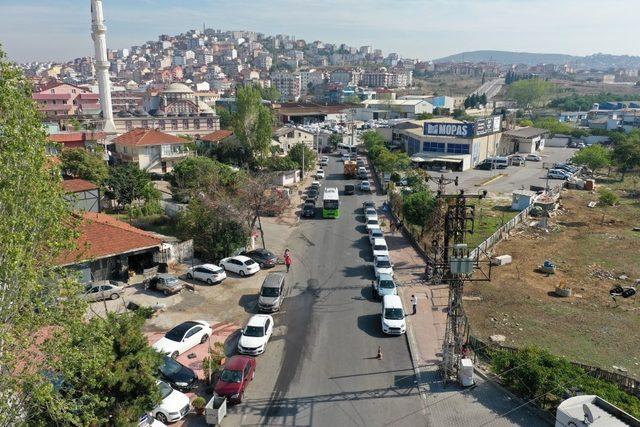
490	88
320	367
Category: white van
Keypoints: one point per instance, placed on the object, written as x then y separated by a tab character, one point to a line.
499	162
392	315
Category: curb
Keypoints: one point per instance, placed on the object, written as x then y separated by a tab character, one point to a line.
413	353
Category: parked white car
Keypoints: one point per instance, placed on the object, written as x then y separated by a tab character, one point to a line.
255	335
380	248
558	174
175	405
372	223
382	265
370	213
375	233
183	337
533	158
240	264
101	290
365	186
320	174
209	273
392	315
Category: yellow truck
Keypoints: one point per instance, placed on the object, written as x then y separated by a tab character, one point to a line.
350	169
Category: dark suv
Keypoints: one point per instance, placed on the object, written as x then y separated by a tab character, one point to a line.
309	210
349	189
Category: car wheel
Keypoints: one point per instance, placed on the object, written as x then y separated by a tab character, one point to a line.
261	264
209	281
204	339
242	273
189	276
241	396
175	355
166	292
115	296
162	418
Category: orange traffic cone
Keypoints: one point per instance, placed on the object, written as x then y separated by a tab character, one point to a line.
379	352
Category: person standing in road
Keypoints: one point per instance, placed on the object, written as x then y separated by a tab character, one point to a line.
287	259
414	303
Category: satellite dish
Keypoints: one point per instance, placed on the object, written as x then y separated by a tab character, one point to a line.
588	416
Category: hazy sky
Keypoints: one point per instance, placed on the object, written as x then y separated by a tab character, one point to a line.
427	29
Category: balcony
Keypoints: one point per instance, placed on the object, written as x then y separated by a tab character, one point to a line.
174	152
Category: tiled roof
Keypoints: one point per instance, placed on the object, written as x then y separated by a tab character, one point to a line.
103	236
76	136
217	136
77	185
142	136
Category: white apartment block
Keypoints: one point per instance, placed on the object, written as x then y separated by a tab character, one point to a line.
288	84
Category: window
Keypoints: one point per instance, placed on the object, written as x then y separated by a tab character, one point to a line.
161	124
53	91
128	125
458	148
145	123
209	123
54	102
73	91
196	123
185	124
413	146
174	124
435	147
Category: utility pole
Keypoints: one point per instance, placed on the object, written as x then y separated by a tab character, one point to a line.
455	265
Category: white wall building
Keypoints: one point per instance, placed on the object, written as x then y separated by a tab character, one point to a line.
288	84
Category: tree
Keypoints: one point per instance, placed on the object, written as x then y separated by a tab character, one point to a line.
80	163
279	163
226	118
607	198
334	140
531	93
104	373
372	138
626	153
594	157
270	93
194	174
418	207
214	227
424	116
133	189
387	161
231	152
252	123
296	155
36	225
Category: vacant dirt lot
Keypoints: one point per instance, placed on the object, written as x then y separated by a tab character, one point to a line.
588	327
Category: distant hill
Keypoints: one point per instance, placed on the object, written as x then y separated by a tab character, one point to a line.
598	60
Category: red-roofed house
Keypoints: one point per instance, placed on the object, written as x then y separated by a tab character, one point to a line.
151	150
63	99
217	136
78	139
107	248
82	194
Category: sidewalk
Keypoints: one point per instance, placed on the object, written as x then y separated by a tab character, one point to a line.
425	329
447	405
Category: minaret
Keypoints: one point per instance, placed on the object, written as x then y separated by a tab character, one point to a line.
98	31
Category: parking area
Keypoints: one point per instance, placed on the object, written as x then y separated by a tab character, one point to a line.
513	177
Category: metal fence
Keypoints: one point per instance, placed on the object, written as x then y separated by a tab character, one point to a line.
629	384
500	233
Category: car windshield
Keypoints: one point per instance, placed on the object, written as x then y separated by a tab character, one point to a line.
393	313
379	248
176	334
170	366
254	331
171	280
387	284
383	264
270	292
371	212
372	221
231	376
165	389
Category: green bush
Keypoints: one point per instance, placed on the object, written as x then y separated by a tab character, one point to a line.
535	373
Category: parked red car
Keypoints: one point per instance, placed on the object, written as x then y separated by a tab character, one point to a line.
235	377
